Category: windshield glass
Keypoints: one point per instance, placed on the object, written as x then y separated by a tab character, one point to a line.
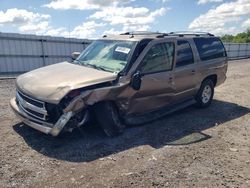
107	55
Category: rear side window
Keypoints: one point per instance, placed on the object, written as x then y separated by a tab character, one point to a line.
209	48
184	53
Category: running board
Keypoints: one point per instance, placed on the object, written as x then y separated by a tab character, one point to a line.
148	117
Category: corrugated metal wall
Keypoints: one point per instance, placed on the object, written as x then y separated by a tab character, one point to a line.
238	50
21	53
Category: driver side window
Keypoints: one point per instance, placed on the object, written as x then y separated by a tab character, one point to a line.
159	58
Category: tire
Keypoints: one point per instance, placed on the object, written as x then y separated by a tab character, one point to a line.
205	94
107	116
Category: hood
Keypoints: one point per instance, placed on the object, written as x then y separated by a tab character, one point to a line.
52	83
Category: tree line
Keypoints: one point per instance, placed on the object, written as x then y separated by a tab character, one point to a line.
243	37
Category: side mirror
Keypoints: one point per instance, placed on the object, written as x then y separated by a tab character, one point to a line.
136	81
75	55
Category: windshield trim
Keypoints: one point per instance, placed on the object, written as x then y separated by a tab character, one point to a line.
135	56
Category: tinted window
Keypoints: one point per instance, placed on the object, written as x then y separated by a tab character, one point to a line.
209	48
184	53
159	58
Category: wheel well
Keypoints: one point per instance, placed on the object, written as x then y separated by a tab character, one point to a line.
213	78
99	102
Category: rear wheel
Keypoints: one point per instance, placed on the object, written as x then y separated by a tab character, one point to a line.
107	116
205	94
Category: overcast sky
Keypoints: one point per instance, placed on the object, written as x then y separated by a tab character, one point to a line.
93	18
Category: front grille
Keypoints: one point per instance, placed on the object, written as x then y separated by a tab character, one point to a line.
31	106
32	101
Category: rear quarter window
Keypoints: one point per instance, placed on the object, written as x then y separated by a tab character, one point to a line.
209	48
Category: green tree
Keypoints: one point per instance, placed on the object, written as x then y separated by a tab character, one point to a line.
243	37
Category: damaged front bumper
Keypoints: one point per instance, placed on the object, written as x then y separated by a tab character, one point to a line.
45	127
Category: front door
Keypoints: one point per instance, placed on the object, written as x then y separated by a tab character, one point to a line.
157	86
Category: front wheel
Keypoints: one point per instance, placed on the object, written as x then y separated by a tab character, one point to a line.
205	94
107	116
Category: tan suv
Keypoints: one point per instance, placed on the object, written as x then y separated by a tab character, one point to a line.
125	79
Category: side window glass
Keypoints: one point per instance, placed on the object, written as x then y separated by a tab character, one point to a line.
209	48
184	53
159	58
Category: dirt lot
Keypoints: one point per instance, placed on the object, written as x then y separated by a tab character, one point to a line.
191	148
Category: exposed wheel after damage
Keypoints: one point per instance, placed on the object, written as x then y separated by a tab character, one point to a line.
205	95
107	116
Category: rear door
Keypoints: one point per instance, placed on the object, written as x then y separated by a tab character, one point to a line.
185	73
157	87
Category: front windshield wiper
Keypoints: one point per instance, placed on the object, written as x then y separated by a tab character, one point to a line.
78	61
96	67
92	65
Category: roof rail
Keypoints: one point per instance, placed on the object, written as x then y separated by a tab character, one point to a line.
185	33
140	33
162	35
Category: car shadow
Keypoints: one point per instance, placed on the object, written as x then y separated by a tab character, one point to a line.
88	144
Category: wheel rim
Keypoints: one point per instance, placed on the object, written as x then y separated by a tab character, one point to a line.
206	94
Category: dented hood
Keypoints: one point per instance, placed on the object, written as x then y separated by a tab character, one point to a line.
52	83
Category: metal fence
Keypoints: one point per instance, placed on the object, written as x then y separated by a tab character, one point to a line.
22	53
237	50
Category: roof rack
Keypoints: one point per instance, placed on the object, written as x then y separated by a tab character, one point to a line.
191	33
162	35
140	33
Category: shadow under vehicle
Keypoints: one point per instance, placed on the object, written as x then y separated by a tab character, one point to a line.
88	143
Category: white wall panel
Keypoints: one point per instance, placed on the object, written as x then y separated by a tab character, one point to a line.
21	53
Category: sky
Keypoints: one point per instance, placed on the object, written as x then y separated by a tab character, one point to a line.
94	18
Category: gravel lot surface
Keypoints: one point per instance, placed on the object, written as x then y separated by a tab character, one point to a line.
190	148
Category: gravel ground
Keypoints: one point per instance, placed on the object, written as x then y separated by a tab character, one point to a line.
190	148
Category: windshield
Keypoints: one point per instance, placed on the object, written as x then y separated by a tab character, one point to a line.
107	55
